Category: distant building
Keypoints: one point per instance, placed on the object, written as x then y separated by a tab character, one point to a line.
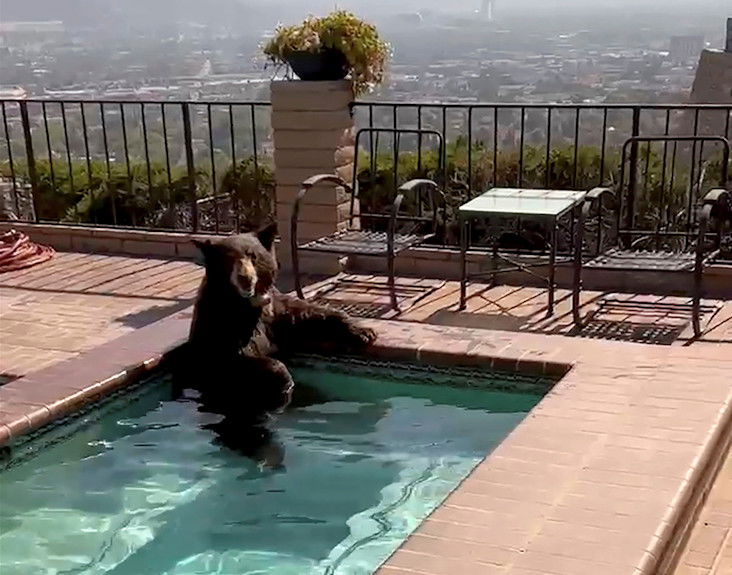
414	18
12	93
486	9
713	85
46	27
14	33
685	48
713	81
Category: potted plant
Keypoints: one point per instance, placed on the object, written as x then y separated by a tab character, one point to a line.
333	47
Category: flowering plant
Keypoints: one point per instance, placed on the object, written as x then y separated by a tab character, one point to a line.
365	53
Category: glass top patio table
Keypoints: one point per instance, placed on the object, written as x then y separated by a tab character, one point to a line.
522	202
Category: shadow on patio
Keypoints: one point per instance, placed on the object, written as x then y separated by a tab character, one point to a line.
659	320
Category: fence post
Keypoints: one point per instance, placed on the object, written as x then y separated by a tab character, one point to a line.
30	156
633	172
188	138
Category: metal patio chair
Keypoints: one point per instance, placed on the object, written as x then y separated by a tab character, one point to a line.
355	240
663	249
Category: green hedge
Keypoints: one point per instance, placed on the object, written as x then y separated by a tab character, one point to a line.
99	194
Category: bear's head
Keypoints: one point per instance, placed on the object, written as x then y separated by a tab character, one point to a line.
245	264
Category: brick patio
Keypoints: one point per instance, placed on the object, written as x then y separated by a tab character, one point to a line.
621	407
77	301
523	309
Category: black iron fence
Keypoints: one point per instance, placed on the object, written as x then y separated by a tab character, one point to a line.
179	165
208	166
559	146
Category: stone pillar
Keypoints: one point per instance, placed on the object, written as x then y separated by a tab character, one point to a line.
313	132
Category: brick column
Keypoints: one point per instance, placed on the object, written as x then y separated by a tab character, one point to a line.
313	133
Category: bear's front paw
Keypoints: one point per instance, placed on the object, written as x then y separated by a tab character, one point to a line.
363	336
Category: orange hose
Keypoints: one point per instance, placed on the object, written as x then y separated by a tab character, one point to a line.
18	252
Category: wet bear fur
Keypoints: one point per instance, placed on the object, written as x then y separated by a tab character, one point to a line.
243	326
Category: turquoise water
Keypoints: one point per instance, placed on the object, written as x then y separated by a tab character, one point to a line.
143	485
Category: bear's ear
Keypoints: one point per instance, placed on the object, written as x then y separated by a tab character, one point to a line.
267	235
204	246
201	245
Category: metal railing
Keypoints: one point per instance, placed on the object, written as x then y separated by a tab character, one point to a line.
140	164
566	146
517	128
205	166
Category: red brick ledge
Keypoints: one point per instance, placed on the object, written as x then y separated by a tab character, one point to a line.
700	485
97	239
41	397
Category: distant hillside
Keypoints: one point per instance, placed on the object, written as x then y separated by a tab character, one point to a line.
230	12
148	12
50	10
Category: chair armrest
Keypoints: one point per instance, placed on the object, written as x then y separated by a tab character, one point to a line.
417	184
325	178
720	197
717	204
311	182
595	195
414	186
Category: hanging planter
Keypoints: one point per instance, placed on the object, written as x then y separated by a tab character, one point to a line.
334	47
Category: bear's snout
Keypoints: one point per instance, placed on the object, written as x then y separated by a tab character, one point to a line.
247	277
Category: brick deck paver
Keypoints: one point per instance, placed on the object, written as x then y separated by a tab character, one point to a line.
709	550
75	302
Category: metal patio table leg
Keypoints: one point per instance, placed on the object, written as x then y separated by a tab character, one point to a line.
577	265
552	267
698	287
494	264
463	260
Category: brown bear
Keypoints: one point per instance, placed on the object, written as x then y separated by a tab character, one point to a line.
241	322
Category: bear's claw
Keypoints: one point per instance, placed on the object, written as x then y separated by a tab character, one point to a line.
365	335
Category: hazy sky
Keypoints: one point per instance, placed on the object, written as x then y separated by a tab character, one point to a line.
230	10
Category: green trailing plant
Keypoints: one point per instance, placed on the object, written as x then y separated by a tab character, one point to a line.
365	52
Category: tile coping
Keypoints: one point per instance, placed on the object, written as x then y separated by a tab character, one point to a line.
646	424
